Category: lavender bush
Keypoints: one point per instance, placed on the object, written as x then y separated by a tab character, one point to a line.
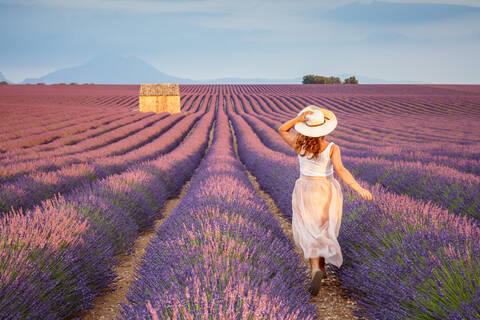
404	259
456	191
29	190
220	254
58	256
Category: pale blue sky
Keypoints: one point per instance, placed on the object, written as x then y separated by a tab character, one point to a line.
432	41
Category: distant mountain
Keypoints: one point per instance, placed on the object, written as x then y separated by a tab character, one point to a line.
2	78
111	69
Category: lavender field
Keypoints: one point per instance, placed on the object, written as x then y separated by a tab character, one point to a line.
83	174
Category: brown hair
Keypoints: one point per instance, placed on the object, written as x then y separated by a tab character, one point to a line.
308	144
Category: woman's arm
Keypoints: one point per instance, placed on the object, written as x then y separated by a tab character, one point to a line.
290	137
346	176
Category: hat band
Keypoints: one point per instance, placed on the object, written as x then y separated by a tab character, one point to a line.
314	125
318	125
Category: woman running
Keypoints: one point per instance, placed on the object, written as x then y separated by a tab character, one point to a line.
317	197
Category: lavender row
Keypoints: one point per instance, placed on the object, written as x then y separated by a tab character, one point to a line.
460	91
55	128
266	129
456	191
408	123
354	128
28	121
15	115
220	254
108	143
285	166
394	152
102	142
125	139
453	190
58	256
123	145
403	258
29	105
28	190
414	153
96	130
407	259
278	113
28	138
80	122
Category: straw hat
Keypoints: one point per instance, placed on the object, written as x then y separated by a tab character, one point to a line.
319	123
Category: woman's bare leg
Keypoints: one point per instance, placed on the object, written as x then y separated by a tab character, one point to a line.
322	264
317	264
314	265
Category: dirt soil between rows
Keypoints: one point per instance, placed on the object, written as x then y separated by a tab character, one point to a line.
107	306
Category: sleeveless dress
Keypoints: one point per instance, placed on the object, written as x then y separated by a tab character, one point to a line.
317	202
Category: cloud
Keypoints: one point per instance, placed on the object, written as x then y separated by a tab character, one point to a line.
246	15
390	13
166	6
216	38
446	30
140	6
471	3
390	38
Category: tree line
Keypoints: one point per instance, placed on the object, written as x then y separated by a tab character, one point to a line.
315	79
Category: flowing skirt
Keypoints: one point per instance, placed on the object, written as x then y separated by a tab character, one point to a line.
317	214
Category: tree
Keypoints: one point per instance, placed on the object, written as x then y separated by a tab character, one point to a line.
314	79
334	80
309	79
351	80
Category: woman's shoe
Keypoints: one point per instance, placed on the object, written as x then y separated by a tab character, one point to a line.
316	282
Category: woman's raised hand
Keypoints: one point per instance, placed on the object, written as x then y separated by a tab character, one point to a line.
302	116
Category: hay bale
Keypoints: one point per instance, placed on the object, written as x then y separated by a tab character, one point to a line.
159	98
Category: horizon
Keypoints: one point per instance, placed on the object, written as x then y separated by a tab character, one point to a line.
211	39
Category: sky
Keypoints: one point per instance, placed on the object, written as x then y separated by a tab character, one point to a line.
432	41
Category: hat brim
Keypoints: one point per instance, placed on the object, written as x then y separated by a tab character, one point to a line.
319	131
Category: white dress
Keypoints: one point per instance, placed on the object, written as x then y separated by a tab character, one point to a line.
317	202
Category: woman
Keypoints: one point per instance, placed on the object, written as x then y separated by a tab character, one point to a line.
317	197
